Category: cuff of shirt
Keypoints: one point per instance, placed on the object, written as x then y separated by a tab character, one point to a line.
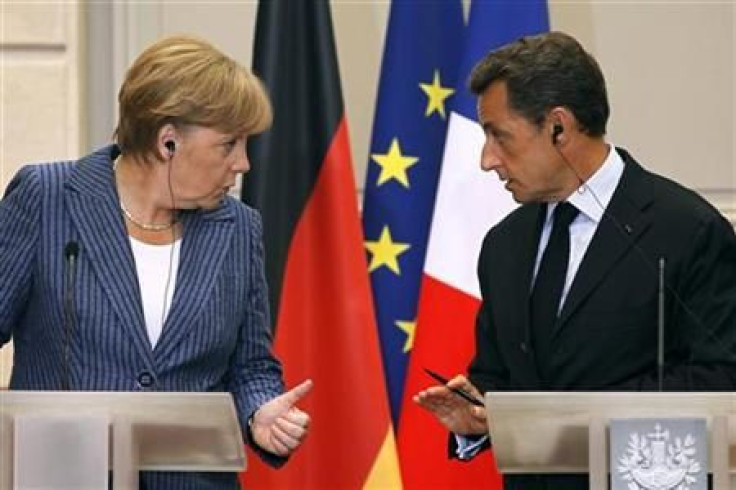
469	446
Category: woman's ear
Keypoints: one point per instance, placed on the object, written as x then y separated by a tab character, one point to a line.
166	141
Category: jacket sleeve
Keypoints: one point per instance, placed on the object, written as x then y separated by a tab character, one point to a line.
255	374
19	232
487	370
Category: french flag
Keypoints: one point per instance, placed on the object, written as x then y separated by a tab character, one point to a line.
468	203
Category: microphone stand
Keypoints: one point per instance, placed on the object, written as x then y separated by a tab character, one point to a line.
660	326
70	253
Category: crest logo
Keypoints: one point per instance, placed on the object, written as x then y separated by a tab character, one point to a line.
654	461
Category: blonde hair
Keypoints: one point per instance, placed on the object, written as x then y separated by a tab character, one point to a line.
184	80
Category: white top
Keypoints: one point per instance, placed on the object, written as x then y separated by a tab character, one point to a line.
156	266
591	199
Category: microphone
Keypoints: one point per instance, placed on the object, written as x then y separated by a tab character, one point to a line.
660	326
662	287
71	250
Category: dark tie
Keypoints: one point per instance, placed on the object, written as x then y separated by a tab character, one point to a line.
547	291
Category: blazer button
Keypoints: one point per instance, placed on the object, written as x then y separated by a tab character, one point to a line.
524	347
145	380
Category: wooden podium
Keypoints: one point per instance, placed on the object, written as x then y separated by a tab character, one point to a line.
567	432
51	439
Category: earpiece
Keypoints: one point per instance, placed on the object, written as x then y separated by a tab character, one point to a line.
171	146
557	130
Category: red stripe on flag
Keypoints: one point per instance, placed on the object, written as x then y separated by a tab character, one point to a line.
445	343
326	331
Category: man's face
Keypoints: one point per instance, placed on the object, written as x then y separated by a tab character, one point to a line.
520	153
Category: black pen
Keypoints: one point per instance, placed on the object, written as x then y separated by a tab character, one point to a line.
458	391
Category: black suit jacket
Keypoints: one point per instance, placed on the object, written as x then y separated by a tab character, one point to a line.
606	336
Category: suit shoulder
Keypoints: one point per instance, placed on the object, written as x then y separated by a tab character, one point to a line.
679	202
36	176
242	211
512	222
247	218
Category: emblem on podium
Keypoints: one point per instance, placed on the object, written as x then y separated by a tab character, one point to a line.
658	454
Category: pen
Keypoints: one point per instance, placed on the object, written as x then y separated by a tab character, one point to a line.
458	391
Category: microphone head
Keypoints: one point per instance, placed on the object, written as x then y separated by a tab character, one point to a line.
71	249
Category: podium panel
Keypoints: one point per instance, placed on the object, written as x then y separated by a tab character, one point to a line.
80	460
144	431
566	432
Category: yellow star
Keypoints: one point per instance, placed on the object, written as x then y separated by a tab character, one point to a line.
409	328
393	164
436	95
385	252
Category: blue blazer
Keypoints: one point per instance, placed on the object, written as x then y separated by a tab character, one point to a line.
216	336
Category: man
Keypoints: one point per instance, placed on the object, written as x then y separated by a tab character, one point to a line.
569	280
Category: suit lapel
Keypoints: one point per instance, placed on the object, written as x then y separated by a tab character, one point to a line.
621	226
93	206
207	235
521	284
512	301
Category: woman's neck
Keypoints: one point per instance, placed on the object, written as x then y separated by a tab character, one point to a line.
146	200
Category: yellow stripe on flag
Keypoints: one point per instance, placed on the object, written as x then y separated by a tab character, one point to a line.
385	474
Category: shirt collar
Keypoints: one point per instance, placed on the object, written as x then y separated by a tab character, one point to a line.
593	196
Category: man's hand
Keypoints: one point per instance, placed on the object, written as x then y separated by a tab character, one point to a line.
451	410
278	426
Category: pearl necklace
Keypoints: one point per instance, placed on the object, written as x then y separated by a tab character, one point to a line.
143	226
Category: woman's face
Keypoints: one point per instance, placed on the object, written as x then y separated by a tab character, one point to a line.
204	165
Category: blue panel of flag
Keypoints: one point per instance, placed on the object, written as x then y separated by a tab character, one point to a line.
418	75
492	24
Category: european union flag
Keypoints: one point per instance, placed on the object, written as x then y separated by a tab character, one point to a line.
418	79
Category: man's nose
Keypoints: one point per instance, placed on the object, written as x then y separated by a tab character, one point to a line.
489	158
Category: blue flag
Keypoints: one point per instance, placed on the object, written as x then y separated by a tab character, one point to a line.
418	80
492	24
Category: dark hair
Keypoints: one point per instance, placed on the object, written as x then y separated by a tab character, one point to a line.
546	71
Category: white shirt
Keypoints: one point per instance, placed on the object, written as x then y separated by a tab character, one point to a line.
591	199
156	266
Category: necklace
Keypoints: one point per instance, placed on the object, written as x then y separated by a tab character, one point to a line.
143	226
146	226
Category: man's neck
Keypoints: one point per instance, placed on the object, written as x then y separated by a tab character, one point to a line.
588	155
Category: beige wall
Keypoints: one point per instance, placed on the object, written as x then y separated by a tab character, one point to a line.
669	65
39	109
39	92
670	68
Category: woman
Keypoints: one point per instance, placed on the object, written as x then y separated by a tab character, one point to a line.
169	292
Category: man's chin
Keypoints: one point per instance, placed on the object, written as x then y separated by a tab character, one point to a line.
518	197
514	191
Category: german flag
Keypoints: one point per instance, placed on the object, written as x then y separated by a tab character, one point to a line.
302	182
